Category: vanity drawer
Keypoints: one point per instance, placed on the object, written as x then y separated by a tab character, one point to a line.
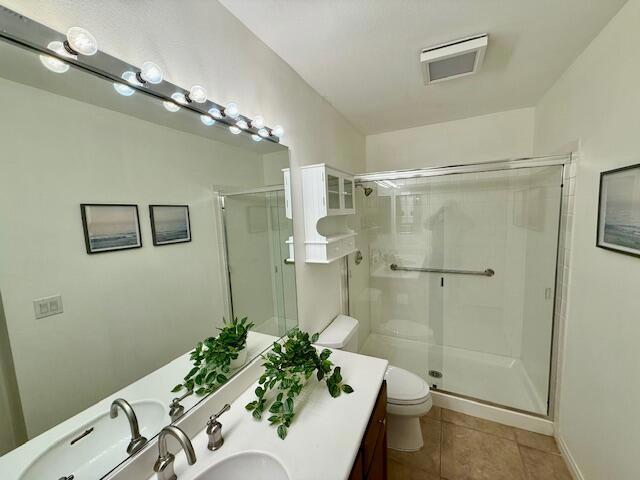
375	428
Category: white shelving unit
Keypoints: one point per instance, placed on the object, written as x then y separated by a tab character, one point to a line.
328	197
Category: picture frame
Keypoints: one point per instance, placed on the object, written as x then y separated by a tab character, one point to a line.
110	227
619	210
170	224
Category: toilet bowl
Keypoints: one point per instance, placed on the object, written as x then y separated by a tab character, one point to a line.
408	399
408	395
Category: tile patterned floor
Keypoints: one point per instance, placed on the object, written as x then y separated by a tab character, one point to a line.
461	447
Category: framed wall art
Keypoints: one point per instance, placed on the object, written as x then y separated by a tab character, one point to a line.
170	224
619	210
110	227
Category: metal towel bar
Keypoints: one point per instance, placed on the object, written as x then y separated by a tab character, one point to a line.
489	272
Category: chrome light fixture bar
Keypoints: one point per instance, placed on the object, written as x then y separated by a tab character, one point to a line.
29	34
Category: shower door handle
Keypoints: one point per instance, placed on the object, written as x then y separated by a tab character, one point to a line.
489	272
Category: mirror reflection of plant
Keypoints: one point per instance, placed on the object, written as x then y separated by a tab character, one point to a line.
288	367
212	357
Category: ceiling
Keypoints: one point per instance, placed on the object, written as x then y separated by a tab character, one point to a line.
363	55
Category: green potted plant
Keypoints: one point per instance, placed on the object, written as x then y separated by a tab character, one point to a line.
215	357
287	370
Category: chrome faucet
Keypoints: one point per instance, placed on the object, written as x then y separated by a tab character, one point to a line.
175	408
214	430
137	440
164	464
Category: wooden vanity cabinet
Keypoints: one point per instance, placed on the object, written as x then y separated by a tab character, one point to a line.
371	461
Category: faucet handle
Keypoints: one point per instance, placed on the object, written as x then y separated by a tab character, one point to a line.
214	430
214	418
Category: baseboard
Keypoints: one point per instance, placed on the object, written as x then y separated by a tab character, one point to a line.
568	458
495	414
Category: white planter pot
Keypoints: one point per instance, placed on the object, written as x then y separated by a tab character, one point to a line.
240	361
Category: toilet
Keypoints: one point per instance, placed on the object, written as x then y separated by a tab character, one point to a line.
408	395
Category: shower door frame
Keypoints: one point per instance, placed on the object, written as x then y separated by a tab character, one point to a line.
562	160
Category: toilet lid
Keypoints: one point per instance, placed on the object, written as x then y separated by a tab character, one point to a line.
404	387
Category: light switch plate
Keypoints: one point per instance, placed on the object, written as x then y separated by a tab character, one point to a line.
47	306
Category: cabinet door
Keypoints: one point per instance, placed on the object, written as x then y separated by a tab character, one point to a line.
357	472
347	187
378	468
333	192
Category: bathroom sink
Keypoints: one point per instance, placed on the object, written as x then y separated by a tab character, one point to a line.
99	451
253	465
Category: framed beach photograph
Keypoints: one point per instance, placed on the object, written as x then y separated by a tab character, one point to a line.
619	210
170	224
109	227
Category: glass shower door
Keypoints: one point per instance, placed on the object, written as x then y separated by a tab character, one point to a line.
262	285
461	280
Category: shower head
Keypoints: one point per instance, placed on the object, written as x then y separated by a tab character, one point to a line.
367	190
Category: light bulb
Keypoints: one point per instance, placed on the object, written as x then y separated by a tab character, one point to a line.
278	131
130	77
170	106
150	72
179	97
258	122
242	124
235	130
207	120
54	64
263	132
231	110
124	90
198	94
256	138
81	41
215	113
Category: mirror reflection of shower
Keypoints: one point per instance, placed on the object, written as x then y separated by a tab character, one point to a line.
367	190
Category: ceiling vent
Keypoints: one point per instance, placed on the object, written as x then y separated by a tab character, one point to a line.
454	59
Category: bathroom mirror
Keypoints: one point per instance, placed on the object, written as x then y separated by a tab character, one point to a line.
127	233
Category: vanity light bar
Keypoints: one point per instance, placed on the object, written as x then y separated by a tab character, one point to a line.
80	49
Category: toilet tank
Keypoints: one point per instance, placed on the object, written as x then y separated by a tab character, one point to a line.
342	333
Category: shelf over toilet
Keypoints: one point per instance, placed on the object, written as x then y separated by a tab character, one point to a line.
328	198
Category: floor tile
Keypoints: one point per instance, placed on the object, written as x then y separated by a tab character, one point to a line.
434	413
541	465
427	459
469	454
475	423
400	471
535	440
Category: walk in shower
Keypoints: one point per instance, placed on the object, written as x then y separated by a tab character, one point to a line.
456	273
256	230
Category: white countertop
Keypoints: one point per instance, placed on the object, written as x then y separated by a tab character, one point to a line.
324	437
155	386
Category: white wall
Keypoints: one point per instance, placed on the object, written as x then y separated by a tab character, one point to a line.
597	101
199	41
124	312
496	136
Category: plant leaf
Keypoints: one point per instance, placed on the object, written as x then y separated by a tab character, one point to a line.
288	405
347	388
282	432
